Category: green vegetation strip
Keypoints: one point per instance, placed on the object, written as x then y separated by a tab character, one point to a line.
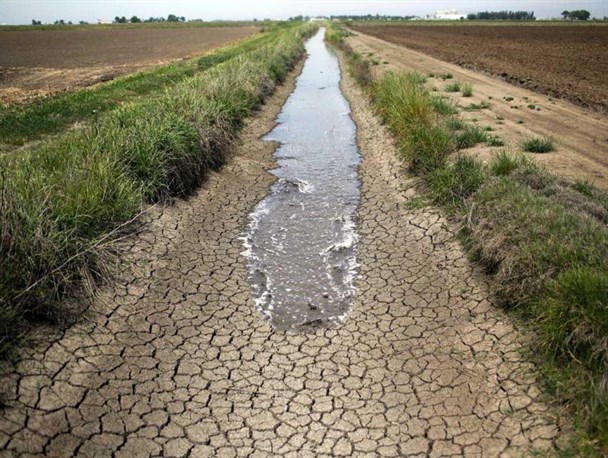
63	201
51	115
542	240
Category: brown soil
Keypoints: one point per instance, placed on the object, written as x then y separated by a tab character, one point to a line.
569	62
581	137
34	63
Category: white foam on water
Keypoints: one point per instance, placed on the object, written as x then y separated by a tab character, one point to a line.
305	187
348	265
255	216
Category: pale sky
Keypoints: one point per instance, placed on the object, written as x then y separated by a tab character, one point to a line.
23	11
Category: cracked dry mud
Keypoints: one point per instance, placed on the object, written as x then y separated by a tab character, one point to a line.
175	360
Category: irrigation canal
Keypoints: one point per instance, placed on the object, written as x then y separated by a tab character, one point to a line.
301	240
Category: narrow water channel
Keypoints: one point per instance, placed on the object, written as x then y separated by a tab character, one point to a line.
301	240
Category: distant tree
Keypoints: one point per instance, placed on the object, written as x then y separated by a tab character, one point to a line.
35	22
83	22
120	20
576	15
369	17
59	22
502	16
70	22
182	19
134	20
172	18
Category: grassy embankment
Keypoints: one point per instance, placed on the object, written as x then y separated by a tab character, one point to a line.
63	201
51	115
542	240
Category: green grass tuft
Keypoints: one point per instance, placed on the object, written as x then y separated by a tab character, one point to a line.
467	89
453	184
585	187
426	147
403	101
454	86
470	136
455	124
483	105
494	140
444	106
416	203
537	145
503	163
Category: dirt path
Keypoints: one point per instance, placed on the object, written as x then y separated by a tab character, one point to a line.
176	360
581	137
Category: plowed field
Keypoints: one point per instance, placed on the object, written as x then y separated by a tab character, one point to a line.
568	61
40	62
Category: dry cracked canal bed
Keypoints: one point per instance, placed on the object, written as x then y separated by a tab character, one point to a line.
174	359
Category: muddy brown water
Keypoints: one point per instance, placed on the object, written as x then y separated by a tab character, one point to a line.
301	240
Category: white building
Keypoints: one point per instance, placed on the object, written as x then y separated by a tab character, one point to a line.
449	15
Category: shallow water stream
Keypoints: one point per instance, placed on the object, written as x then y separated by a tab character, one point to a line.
301	240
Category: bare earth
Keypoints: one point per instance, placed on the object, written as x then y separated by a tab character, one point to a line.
581	136
34	63
175	359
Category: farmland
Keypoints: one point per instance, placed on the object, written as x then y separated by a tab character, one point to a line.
41	62
569	62
511	112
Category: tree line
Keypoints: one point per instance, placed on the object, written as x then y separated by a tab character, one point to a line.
502	16
372	17
360	17
123	20
576	15
135	19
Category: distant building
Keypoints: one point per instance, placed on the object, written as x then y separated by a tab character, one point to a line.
103	21
449	15
317	19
